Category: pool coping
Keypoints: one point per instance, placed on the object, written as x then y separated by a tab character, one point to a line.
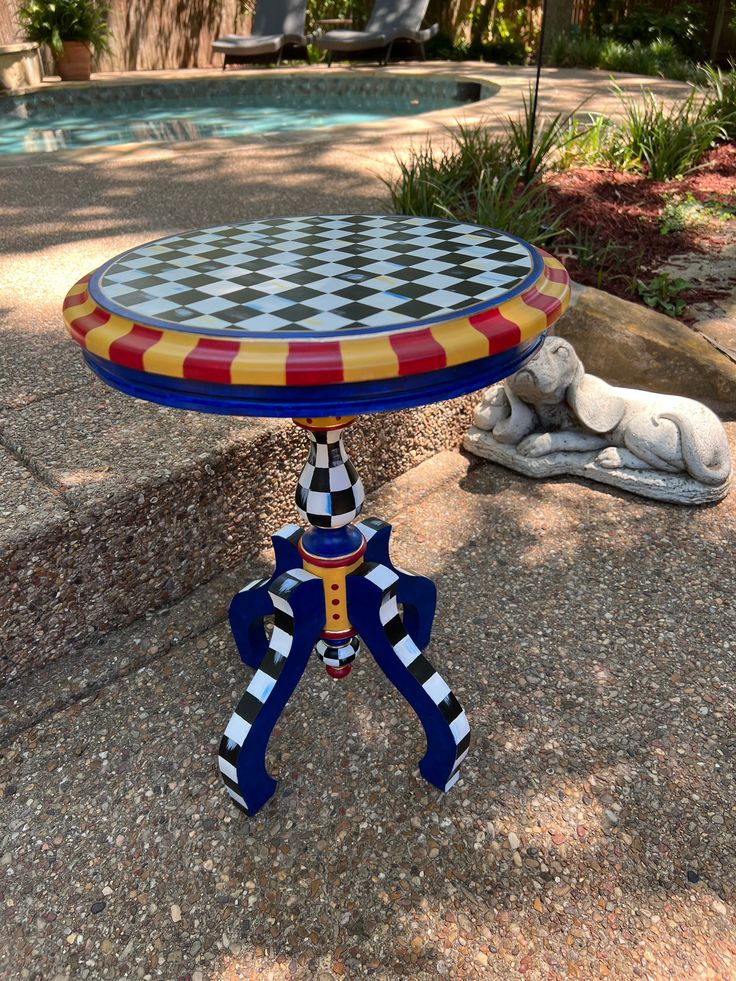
400	126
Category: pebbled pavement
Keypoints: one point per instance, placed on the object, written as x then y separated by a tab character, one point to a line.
590	636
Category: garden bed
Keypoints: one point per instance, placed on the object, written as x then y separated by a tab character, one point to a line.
626	227
640	203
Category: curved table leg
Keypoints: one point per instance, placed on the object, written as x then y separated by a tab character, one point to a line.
372	592
252	604
417	594
247	611
298	603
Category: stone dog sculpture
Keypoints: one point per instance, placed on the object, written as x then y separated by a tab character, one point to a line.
551	418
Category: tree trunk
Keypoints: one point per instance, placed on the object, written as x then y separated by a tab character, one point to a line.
718	30
559	20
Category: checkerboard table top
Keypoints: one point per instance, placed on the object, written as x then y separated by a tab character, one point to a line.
321	274
358	307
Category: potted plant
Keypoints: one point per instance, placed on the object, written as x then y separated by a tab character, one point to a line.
71	28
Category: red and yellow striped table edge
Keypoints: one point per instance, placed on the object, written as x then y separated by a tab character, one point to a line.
316	360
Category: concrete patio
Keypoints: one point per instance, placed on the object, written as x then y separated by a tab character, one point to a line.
590	637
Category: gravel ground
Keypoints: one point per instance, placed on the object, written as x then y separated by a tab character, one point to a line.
590	637
157	505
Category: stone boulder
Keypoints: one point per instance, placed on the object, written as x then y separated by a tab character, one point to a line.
635	347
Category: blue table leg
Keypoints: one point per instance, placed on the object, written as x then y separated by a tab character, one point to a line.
253	604
299	615
416	594
372	596
332	583
248	610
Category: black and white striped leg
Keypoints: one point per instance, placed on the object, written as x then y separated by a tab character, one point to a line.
299	615
248	610
373	611
252	604
416	594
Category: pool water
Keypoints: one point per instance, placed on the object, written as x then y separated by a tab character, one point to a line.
103	115
166	123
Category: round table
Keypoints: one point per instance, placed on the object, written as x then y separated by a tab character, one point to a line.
322	318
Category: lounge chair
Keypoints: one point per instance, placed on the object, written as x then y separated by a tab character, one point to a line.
278	33
391	22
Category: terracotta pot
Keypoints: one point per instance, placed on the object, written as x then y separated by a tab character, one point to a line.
75	64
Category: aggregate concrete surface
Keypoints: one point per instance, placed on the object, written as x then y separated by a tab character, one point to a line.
590	637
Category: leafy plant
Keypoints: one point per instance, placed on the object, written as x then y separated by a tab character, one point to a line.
683	24
478	177
533	145
584	139
575	50
622	20
681	212
666	140
601	259
54	21
429	182
720	94
507	25
662	293
507	203
660	56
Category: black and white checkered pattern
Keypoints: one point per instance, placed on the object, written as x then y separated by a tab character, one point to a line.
255	584
334	656
262	682
321	273
329	492
418	665
369	526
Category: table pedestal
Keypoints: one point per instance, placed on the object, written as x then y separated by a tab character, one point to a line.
332	584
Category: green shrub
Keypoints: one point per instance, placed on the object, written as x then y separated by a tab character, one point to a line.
659	57
660	139
429	183
575	50
507	203
720	94
584	139
533	143
54	21
481	177
666	140
683	24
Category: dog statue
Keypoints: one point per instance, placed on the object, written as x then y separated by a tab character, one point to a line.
551	418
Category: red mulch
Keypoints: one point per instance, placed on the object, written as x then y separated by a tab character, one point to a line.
624	208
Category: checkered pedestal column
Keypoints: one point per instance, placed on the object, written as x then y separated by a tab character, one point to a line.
333	583
329	493
329	496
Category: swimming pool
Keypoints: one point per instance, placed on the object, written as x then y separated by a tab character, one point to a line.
226	107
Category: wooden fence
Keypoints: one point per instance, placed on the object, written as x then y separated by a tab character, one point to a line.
154	33
179	33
